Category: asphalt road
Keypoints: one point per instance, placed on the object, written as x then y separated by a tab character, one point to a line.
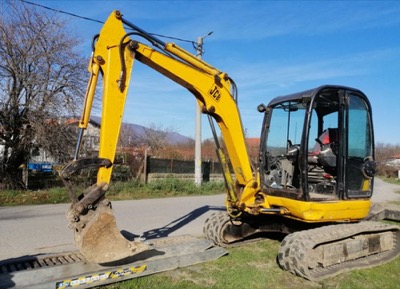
32	230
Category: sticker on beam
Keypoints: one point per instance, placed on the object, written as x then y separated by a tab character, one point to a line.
89	279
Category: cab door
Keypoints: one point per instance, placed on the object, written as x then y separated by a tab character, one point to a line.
358	154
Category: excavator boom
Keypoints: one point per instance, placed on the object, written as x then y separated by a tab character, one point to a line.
113	56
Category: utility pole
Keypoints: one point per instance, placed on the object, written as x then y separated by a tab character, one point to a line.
197	146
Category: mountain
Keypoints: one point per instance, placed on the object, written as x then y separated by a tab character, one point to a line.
139	131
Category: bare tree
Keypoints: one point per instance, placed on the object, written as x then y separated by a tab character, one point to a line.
154	136
385	152
127	137
41	78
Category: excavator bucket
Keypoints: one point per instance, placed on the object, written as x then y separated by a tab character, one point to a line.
99	240
91	218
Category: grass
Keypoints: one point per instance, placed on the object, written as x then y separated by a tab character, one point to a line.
254	266
130	190
394	181
168	187
50	196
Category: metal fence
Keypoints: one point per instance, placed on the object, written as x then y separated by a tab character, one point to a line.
153	169
171	166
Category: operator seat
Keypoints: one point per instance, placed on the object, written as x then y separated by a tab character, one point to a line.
325	150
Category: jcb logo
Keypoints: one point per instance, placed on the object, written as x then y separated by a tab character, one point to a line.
215	93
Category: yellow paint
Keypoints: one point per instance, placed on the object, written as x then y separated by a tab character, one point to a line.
349	210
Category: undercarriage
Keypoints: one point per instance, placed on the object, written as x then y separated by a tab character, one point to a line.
313	253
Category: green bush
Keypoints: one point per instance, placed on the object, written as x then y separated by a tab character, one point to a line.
129	190
185	187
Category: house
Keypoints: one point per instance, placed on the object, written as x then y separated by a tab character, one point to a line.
91	137
90	145
394	161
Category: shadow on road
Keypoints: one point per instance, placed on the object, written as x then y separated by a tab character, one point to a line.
166	230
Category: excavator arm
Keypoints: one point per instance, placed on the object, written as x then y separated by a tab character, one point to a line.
113	56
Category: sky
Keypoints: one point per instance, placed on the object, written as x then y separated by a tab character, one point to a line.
269	48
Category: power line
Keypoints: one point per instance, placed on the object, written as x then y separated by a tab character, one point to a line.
98	21
62	12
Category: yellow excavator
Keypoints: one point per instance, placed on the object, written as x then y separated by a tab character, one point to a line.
314	178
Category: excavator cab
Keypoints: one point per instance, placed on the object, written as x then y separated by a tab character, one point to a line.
318	145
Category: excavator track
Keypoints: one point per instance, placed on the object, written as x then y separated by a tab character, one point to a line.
319	253
316	253
213	226
224	232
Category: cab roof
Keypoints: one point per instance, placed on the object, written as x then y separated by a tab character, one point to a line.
312	93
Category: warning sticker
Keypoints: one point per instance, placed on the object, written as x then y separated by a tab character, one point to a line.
76	282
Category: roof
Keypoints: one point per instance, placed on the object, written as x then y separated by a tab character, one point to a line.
75	121
311	93
253	142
